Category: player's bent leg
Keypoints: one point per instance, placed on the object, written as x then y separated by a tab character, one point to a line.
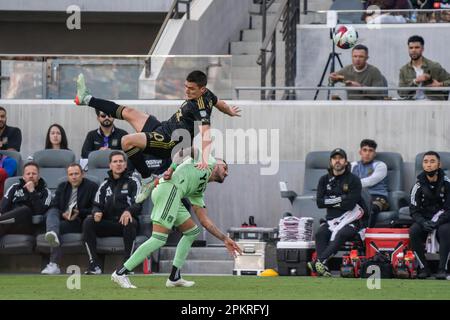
135	118
156	241
133	145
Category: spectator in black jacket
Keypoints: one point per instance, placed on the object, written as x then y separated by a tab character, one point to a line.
339	192
73	201
115	212
106	137
430	210
22	200
10	137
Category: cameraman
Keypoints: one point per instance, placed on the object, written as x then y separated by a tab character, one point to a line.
430	210
340	192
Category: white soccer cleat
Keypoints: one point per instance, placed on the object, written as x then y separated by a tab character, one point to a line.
52	238
148	184
122	281
51	268
179	283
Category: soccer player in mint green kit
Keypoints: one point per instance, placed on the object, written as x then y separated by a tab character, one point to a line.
182	181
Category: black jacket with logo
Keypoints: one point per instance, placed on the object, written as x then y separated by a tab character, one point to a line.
95	139
85	197
38	201
428	198
114	196
339	194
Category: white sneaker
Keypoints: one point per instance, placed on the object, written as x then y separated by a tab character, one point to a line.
147	185
51	268
122	281
179	283
52	238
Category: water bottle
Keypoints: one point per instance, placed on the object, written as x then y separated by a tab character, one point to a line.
414	17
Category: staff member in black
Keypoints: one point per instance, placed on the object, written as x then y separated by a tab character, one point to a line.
430	210
115	212
340	192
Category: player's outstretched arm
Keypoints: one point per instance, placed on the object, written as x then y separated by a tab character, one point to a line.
209	225
232	111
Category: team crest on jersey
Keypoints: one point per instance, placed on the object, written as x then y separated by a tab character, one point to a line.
115	142
203	113
108	192
19	193
345	187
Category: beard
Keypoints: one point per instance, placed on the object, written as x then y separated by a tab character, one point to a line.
415	57
107	123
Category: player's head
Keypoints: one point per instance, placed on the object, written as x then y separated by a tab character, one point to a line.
74	174
31	172
2	117
104	119
338	161
117	162
430	163
195	84
415	47
367	150
360	54
220	171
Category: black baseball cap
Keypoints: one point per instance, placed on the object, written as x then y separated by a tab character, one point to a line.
338	151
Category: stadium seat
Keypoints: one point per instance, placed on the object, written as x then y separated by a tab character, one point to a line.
16	156
98	163
53	164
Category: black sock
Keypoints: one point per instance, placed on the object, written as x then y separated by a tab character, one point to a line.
175	274
122	270
137	159
107	107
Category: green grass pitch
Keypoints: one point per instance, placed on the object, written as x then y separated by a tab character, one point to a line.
220	288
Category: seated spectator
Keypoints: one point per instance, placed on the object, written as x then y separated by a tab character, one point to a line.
373	175
374	11
73	201
421	72
10	137
56	138
430	210
115	212
106	137
8	168
339	192
360	74
22	200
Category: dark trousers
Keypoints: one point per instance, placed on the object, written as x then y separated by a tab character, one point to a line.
325	248
378	204
107	228
16	221
55	223
418	237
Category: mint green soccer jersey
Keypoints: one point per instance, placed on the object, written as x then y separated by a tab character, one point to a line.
191	181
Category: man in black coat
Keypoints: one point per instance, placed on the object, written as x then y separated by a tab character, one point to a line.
115	212
22	200
73	201
430	210
339	192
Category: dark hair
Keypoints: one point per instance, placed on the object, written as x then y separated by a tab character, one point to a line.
48	144
2	109
117	153
416	38
74	164
198	77
368	142
29	164
361	47
432	153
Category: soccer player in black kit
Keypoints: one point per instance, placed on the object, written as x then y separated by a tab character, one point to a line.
155	137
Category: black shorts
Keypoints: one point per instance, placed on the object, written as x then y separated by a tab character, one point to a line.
151	124
159	143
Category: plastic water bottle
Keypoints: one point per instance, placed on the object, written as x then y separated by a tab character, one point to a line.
414	17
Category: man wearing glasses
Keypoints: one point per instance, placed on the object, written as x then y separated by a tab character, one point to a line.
106	137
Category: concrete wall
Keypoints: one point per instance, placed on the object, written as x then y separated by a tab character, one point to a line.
387	50
304	126
212	26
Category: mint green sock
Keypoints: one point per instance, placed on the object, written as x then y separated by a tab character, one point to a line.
156	241
184	245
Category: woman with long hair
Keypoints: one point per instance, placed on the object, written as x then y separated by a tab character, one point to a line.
56	137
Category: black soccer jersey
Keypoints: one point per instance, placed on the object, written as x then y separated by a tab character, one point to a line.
191	110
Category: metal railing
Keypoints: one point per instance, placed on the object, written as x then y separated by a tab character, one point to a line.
292	90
